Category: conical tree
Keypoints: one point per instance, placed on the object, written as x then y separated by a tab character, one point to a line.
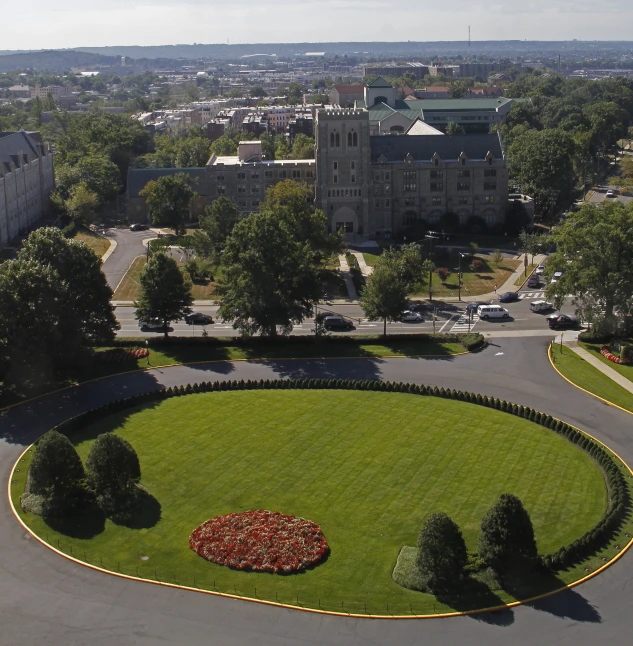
56	472
114	471
442	554
507	536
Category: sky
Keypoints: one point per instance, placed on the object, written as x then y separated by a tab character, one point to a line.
42	24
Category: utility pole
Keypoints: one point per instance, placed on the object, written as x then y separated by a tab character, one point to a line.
430	237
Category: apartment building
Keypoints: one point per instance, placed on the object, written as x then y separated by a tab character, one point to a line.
26	181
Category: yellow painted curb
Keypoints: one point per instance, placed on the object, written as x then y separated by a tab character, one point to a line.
512	604
569	381
196	363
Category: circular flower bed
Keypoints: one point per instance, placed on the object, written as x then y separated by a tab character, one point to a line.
261	541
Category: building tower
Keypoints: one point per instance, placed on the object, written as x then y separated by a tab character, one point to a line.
343	159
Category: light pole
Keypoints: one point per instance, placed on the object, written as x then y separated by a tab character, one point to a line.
430	237
459	276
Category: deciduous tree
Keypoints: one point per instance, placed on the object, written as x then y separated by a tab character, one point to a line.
168	199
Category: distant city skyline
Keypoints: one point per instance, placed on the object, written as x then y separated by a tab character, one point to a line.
71	23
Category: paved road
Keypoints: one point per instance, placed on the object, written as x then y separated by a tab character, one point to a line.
600	195
129	246
46	599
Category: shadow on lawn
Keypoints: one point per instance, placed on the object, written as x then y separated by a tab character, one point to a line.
145	514
84	523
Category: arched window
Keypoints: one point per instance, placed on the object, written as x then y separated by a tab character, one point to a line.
354	139
331	140
338	141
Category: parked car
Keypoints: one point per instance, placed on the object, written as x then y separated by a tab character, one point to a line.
198	318
154	325
138	227
492	312
611	193
561	321
411	317
415	306
557	276
472	307
539	270
509	297
337	323
540	306
533	281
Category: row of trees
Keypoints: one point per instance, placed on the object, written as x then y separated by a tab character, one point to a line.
59	484
506	543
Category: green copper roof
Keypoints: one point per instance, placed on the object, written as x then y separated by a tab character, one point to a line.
380	82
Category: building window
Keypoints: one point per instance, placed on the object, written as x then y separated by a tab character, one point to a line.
410	187
336	179
437	174
335	165
268	174
463	173
409	201
309	173
387	188
241	189
463	161
376	189
436	187
490	186
221	190
352	138
241	176
353	179
387	176
376	177
387	203
296	174
408	218
490	172
220	177
409	175
352	165
490	199
463	199
359	192
254	189
281	174
463	186
436	201
254	175
328	193
437	162
255	203
335	140
377	203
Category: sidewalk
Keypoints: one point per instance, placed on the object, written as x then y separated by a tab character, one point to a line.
365	269
347	277
612	374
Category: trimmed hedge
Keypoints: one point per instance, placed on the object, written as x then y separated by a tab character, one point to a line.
568	555
471	341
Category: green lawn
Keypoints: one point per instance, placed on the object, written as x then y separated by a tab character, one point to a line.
582	374
370	258
96	242
594	349
368	467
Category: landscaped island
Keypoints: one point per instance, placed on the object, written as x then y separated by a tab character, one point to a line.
367	462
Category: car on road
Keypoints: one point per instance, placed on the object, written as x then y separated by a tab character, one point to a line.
509	297
556	277
539	270
415	306
337	323
411	317
154	325
534	280
472	307
561	321
492	312
611	193
540	306
138	227
198	318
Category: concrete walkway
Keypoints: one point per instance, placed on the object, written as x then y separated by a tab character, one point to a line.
347	277
365	269
614	375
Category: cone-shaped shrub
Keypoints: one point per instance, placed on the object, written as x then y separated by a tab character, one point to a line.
442	554
507	535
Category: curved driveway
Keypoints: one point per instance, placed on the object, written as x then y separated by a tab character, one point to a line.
47	599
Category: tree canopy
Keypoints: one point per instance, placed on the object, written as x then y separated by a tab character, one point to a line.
216	225
168	199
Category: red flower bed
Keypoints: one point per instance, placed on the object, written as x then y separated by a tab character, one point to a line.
119	355
261	541
605	352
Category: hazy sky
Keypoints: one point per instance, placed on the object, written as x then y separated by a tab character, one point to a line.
41	24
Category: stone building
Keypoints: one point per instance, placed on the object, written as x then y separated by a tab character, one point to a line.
26	181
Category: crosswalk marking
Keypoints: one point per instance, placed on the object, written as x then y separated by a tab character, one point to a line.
532	295
461	325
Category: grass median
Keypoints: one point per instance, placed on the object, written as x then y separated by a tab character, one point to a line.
367	467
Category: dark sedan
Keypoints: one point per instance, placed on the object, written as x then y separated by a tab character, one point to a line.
472	307
138	227
561	321
197	318
509	297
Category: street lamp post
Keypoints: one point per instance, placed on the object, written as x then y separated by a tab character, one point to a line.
430	237
459	276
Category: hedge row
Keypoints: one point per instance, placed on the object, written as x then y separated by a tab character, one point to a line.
470	341
567	555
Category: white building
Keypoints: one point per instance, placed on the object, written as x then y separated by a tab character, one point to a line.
26	181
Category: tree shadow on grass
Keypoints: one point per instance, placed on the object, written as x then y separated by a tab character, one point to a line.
475	594
145	514
84	523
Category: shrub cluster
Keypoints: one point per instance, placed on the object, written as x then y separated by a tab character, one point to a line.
580	549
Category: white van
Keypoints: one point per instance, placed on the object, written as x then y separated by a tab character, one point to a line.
541	306
492	312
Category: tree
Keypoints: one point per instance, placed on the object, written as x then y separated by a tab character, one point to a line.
454	128
282	149
459	88
216	226
192	152
396	274
168	199
114	471
56	473
257	91
164	293
516	218
224	146
442	554
497	257
302	148
97	172
594	247
82	204
269	277
507	536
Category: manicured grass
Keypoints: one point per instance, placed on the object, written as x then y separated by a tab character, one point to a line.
370	258
474	283
368	467
97	243
525	275
128	288
594	349
578	371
